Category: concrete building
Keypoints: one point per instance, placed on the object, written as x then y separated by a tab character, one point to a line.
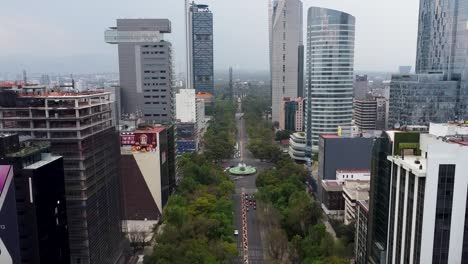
146	176
442	38
145	66
292	114
186	106
418	99
38	180
190	121
199	41
329	76
79	127
370	113
286	52
342	154
354	191
428	198
360	241
297	145
331	198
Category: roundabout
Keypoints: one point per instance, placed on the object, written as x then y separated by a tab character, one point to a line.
241	169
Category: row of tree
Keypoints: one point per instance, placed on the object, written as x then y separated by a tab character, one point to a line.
197	225
295	233
219	139
260	131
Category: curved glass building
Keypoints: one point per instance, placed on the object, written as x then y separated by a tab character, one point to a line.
329	76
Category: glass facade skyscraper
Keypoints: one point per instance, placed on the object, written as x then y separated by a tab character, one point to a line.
329	73
418	99
200	48
443	45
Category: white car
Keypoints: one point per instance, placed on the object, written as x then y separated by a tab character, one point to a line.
236	232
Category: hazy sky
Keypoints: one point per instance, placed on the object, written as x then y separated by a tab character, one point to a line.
65	36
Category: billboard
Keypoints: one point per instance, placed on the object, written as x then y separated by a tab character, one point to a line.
139	142
9	236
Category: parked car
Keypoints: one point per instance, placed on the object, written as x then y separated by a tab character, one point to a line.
236	232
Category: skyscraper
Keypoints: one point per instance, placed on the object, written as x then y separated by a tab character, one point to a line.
442	45
418	99
329	76
79	127
145	66
199	37
286	52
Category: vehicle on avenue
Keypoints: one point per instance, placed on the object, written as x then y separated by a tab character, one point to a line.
236	232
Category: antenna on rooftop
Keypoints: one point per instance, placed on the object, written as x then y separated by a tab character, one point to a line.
25	77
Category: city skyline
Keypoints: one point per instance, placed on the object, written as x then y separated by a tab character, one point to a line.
82	45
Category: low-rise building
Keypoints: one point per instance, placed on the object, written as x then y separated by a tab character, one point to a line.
342	153
332	198
353	191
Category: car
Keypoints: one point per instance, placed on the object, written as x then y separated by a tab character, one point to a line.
236	232
250	202
255	207
247	209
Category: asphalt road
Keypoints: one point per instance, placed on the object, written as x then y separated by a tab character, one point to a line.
246	184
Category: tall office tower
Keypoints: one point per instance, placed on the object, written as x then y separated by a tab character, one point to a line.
329	77
199	41
418	99
442	38
428	201
378	217
286	52
145	65
79	127
40	201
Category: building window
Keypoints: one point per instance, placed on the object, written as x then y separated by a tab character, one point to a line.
443	213
284	46
284	35
284	57
284	68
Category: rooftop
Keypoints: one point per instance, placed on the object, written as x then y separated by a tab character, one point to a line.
63	95
330	136
412	163
154	129
352	171
332	185
33	147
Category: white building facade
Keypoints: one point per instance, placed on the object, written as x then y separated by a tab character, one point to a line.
428	198
286	51
186	106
